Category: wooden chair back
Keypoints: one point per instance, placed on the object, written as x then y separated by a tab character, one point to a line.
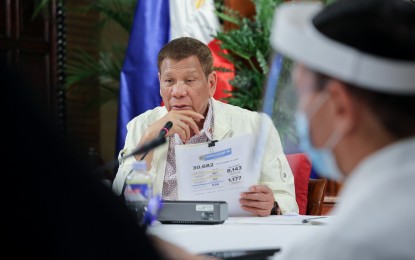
315	198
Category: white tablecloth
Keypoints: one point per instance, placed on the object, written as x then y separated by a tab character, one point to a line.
239	233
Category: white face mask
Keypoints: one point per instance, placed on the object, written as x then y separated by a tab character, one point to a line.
322	159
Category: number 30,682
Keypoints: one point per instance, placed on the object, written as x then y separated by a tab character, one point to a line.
206	165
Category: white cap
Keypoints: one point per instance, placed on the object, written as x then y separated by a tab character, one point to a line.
294	35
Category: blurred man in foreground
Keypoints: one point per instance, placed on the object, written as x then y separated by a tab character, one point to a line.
53	207
355	80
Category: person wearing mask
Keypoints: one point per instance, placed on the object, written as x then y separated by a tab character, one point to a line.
187	84
354	76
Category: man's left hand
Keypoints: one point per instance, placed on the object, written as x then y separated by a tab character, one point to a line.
259	200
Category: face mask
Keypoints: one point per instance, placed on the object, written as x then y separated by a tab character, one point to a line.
322	159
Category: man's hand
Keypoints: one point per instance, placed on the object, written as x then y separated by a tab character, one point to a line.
185	123
258	200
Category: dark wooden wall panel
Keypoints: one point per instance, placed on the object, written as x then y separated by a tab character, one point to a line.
5	19
41	47
37	29
5	31
82	122
38	63
30	44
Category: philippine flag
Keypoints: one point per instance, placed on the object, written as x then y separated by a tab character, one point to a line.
156	22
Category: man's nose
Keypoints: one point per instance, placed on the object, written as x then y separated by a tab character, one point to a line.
179	89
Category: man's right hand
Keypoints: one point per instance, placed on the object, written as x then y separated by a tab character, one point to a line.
185	123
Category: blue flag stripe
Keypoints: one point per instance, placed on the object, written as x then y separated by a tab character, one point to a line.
139	86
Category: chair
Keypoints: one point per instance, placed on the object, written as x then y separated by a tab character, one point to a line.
309	193
301	169
315	197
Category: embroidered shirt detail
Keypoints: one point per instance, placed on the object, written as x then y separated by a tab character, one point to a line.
170	178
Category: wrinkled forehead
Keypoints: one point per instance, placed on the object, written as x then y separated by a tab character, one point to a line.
187	65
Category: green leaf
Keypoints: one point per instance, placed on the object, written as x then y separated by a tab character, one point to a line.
40	7
229	18
263	63
249	49
118	11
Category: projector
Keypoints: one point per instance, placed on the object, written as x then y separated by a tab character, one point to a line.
193	212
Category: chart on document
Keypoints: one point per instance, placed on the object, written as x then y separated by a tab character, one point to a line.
216	171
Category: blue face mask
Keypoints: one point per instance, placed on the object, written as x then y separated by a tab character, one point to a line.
322	159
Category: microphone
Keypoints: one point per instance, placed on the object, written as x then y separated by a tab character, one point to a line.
166	128
145	148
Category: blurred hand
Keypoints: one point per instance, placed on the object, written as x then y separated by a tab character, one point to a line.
259	200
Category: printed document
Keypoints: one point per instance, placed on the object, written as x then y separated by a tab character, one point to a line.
219	171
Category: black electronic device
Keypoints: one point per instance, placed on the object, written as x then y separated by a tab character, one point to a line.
250	254
193	212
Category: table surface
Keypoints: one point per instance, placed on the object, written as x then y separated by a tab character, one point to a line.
239	233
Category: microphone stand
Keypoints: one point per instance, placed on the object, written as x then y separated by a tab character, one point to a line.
145	148
166	128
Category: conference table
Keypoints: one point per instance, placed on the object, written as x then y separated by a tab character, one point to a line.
240	233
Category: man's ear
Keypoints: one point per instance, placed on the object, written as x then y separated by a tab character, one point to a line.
212	81
345	108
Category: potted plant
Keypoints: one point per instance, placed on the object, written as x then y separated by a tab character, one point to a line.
248	48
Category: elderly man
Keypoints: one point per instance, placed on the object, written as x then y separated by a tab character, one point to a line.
355	80
187	84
